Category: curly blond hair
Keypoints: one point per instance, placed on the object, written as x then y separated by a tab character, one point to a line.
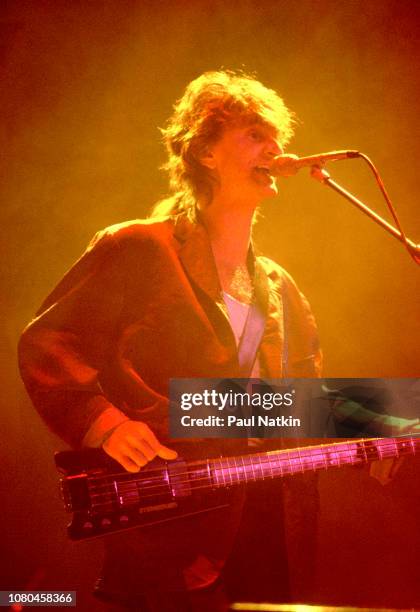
211	103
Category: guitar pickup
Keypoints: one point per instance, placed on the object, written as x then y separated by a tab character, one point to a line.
179	479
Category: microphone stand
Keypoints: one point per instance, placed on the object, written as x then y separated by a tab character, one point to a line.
321	175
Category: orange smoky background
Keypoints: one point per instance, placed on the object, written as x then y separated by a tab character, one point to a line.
85	86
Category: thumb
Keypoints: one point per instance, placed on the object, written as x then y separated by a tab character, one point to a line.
166	453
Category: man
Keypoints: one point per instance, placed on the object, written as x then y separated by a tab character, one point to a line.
168	297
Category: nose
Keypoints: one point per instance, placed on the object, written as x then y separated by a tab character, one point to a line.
274	148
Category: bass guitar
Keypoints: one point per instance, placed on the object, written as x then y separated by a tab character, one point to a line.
105	499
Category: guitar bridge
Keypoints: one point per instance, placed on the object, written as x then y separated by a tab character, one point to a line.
75	492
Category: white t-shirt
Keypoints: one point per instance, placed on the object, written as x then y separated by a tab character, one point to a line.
238	312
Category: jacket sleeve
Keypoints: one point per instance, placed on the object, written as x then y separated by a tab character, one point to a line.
62	351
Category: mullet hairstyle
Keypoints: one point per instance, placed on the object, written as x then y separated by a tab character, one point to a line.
212	103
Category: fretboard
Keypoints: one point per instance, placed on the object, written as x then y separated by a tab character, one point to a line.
227	471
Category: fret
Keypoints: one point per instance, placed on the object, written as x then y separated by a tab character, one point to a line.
279	464
332	457
406	446
224	468
379	449
244	469
312	460
232	470
248	464
209	472
400	448
351	453
252	469
321	460
199	475
233	475
338	456
307	455
218	473
362	447
324	457
290	464
393	448
300	460
317	460
237	469
261	467
270	465
228	469
224	471
343	457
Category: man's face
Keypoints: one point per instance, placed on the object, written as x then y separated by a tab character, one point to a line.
241	160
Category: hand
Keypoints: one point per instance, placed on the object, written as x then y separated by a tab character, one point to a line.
412	426
133	444
385	470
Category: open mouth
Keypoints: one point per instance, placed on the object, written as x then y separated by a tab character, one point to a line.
263	170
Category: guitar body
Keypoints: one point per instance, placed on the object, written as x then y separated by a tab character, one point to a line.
104	498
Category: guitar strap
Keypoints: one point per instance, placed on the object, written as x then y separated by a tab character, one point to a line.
250	340
253	331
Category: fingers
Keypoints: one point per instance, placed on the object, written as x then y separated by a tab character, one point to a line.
133	444
123	459
128	464
385	470
166	453
142	447
147	443
396	466
380	470
412	426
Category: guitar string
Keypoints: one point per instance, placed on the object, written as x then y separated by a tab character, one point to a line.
194	485
292	465
218	485
104	505
248	473
284	454
296	457
337	448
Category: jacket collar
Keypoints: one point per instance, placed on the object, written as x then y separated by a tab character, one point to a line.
197	258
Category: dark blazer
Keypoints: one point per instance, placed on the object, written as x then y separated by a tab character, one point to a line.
142	305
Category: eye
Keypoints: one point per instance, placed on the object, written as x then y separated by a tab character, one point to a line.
256	135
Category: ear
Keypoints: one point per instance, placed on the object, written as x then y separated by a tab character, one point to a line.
207	159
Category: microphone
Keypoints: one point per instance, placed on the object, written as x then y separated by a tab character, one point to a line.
287	165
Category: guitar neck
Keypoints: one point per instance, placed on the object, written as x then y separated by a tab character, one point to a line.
227	471
104	499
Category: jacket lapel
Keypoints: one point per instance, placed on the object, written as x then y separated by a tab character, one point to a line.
196	256
197	259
